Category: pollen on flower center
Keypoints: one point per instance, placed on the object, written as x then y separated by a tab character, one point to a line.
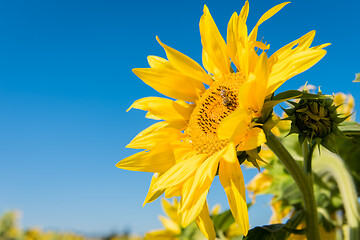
218	101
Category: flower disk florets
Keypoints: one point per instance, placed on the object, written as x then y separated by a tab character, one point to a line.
216	104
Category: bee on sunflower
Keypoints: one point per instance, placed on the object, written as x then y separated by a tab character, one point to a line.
216	115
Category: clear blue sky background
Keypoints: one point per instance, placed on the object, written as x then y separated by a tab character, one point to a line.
66	81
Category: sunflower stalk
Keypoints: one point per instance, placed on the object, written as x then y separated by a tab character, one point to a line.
303	181
308	150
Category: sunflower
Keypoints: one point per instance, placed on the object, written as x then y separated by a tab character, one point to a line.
214	117
171	223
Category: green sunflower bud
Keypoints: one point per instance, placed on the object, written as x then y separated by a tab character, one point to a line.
316	121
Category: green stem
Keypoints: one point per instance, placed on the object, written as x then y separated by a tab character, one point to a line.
304	183
308	150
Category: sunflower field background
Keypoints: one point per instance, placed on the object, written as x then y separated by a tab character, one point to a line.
66	82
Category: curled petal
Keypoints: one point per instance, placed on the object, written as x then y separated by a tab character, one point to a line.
265	17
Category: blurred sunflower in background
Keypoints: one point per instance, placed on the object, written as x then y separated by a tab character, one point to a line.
171	222
216	119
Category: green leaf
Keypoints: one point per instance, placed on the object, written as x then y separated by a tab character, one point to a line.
191	232
223	221
350	128
349	151
277	231
333	167
293	222
290	94
293	94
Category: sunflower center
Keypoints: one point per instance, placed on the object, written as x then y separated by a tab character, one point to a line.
218	101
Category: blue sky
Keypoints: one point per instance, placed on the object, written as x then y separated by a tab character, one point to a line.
66	81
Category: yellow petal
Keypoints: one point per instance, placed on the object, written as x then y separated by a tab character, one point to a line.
151	140
160	159
259	184
171	83
153	195
174	191
151	116
196	188
293	59
178	124
293	65
301	44
279	211
254	138
158	62
232	180
231	37
164	108
215	209
321	46
261	45
183	150
185	189
171	209
151	129
252	94
170	225
205	224
179	172
233	231
265	17
156	133
161	235
237	37
209	64
185	64
233	124
214	46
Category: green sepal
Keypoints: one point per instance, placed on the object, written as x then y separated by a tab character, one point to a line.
293	129
288	111
301	139
340	119
270	123
253	157
241	156
254	153
292	103
254	162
